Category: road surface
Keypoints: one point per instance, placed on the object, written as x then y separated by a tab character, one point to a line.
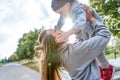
14	71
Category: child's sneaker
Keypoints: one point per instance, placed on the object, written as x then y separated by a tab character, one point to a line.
107	73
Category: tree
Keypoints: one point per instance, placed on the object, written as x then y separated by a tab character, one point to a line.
108	50
26	44
12	58
110	11
117	46
114	50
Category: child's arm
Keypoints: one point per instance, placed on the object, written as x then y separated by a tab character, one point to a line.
60	22
80	22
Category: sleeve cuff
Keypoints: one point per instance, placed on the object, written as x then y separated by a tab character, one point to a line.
96	23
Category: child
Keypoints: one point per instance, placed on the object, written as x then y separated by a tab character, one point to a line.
75	10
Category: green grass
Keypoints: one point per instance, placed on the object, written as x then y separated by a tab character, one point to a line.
32	65
0	64
112	56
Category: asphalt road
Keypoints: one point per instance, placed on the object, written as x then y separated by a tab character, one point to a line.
14	71
117	74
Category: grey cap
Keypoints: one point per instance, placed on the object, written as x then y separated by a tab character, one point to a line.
57	4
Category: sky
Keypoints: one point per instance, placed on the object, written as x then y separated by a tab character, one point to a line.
20	16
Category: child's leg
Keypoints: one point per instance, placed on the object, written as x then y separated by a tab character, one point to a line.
106	70
102	61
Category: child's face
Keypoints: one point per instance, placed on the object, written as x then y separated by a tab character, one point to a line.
65	10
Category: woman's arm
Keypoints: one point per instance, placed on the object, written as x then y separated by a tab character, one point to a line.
95	45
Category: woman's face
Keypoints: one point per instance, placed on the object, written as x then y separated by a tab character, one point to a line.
53	32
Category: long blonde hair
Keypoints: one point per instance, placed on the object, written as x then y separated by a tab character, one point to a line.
51	57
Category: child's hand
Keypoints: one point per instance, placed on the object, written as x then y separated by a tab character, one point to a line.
63	37
89	13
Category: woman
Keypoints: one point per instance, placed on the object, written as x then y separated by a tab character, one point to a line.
76	58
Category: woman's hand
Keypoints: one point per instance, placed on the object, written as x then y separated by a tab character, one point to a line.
89	13
62	38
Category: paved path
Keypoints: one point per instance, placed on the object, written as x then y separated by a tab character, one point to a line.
117	74
14	71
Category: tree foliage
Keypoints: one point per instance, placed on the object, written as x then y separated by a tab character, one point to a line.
113	49
117	46
26	45
110	11
13	57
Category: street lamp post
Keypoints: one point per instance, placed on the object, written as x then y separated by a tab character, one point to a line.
113	47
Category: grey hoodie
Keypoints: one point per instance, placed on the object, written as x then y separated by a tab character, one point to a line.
79	58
